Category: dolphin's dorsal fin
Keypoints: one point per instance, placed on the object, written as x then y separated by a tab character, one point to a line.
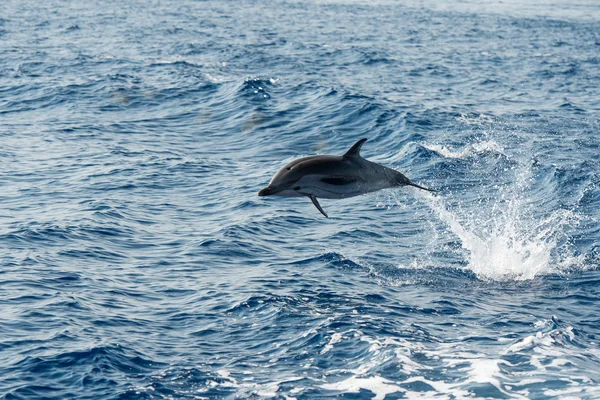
355	149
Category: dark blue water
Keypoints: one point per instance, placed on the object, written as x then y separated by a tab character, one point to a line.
137	261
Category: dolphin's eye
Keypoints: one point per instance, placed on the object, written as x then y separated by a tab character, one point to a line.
297	188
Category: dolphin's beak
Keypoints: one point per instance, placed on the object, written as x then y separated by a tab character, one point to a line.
268	191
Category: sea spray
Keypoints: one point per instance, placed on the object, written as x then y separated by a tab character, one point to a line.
505	235
514	247
475	148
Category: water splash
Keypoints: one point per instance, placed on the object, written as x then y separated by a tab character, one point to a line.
513	248
475	148
510	236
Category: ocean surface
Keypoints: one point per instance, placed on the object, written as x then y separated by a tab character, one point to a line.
138	262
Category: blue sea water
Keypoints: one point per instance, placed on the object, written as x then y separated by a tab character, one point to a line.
137	262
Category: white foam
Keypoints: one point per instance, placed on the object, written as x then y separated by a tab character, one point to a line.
251	389
266	390
409	366
542	343
335	338
438	386
485	371
380	386
542	323
488	371
530	342
562	393
547	354
223	373
559	362
530	381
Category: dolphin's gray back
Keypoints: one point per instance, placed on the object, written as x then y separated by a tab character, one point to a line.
314	165
336	177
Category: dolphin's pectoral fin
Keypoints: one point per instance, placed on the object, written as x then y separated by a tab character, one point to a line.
354	151
316	203
339	181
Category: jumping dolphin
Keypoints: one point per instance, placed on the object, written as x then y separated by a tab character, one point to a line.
334	177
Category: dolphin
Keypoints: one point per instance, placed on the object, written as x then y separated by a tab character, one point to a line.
334	177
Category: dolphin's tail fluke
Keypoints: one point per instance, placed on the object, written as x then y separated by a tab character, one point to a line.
421	187
402	180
